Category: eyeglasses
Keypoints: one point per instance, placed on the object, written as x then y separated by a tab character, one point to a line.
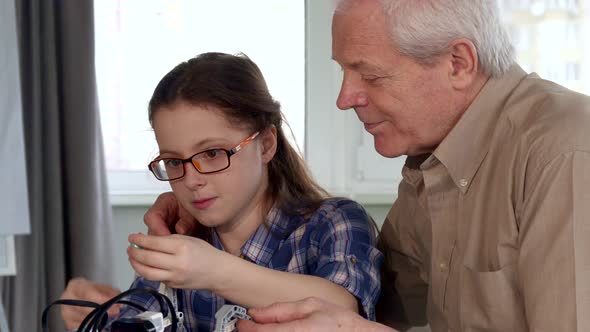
205	162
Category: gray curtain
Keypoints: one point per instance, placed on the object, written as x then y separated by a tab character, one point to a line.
70	213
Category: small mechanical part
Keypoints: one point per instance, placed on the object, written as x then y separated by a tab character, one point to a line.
227	318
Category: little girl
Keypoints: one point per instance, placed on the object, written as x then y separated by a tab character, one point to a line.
271	234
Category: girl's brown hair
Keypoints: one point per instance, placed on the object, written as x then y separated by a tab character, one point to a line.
234	84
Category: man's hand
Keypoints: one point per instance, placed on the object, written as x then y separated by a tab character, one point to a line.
307	315
166	217
82	289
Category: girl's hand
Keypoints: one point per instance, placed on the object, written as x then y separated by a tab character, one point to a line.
177	260
167	217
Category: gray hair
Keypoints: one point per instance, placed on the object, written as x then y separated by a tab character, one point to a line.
424	29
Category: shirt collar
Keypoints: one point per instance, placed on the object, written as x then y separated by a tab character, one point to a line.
267	238
465	147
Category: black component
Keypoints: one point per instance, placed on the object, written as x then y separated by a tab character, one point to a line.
97	319
132	324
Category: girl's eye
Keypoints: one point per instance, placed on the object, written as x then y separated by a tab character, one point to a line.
212	154
173	163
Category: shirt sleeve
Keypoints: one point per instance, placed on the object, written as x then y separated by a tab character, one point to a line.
404	291
347	254
554	261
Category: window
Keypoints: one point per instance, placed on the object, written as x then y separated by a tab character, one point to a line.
572	71
139	41
558	31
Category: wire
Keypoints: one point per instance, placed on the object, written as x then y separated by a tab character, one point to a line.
77	303
97	319
133	305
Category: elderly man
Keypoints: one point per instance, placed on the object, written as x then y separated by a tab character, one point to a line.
491	225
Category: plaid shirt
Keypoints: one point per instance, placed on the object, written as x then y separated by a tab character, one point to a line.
336	243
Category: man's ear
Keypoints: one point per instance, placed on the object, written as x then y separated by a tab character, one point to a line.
269	144
463	64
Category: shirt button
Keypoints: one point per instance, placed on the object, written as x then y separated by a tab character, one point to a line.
463	182
442	266
352	259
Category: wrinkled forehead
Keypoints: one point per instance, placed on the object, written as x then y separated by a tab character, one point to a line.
360	19
345	6
359	32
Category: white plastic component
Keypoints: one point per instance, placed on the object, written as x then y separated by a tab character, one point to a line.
227	317
171	294
155	318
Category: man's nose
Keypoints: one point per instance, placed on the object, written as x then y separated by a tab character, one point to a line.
351	95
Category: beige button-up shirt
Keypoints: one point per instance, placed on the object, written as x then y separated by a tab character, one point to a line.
492	231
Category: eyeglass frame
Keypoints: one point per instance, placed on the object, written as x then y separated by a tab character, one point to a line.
228	153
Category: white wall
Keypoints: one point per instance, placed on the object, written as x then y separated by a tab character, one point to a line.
127	220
